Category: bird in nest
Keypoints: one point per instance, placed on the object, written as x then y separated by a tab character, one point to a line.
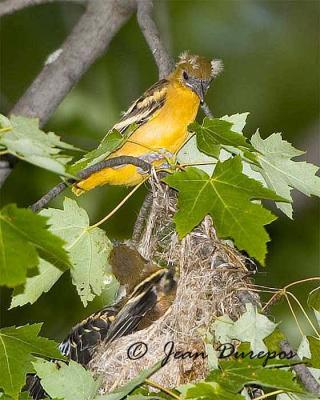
145	294
155	126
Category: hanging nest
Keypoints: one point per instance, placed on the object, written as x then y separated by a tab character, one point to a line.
212	279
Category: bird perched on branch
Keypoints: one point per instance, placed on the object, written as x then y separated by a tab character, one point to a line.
160	118
147	293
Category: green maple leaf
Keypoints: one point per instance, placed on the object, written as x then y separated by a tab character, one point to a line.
24	236
251	327
314	345
68	382
281	173
235	373
29	143
238	121
36	285
226	197
18	347
273	341
215	132
89	248
190	154
111	142
207	391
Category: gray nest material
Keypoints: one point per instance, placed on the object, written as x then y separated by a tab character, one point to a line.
212	280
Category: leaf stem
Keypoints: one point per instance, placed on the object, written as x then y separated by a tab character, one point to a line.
119	205
240	153
314	278
304	313
6	129
264	396
163	389
197	163
294	315
283	290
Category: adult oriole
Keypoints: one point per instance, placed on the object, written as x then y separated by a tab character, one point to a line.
161	117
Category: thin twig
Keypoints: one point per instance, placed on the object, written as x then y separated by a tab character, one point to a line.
304	313
118	206
165	65
265	396
163	389
85	173
87	42
150	31
294	314
281	292
302	371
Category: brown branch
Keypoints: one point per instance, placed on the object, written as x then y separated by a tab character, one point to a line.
165	65
87	41
206	110
302	371
9	7
150	31
85	173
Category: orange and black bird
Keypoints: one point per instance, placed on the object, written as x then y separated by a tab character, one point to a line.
160	118
147	292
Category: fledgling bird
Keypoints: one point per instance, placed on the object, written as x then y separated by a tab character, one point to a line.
161	117
148	291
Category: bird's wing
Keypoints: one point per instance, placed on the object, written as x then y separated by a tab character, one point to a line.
144	107
139	113
84	337
141	301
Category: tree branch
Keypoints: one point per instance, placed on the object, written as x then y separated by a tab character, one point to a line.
87	41
85	173
9	7
150	31
206	110
302	371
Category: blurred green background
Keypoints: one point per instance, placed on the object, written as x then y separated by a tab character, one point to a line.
270	50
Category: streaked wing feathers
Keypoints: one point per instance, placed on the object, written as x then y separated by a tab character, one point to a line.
84	337
145	107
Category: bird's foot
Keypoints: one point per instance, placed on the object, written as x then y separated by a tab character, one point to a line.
161	154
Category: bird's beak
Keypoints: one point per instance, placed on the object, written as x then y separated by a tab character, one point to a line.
200	88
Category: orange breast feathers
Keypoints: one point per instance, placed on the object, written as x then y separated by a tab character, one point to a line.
166	129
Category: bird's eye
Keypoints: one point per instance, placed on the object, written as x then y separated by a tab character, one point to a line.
185	76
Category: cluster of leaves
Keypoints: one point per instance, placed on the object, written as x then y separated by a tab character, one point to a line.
22	138
255	362
222	174
52	241
231	174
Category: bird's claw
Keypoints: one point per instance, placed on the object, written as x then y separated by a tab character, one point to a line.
159	155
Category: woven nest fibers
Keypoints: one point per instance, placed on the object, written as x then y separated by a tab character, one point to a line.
212	280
